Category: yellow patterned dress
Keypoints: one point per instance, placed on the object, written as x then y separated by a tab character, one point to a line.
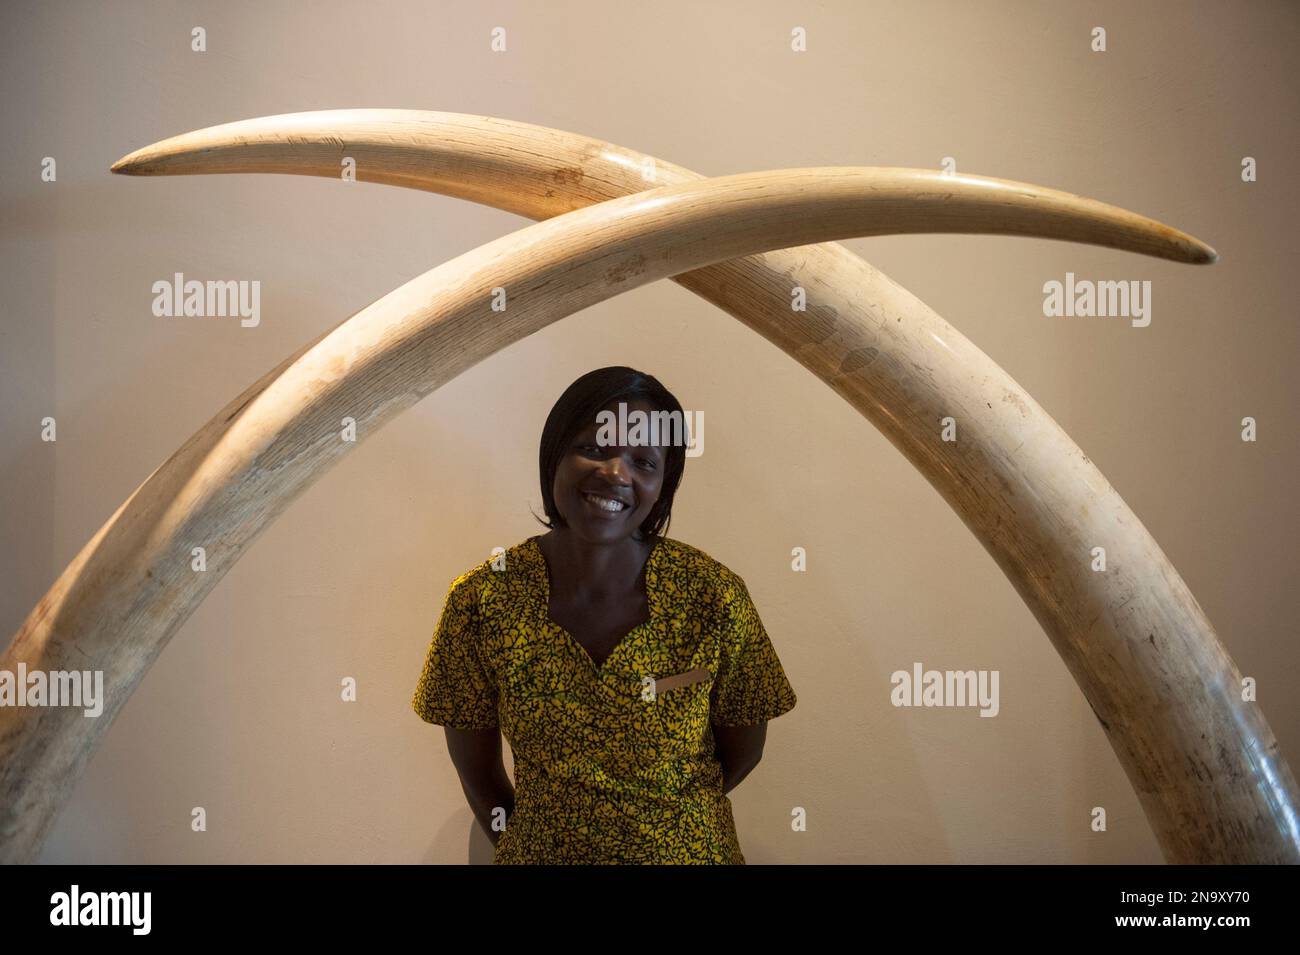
607	769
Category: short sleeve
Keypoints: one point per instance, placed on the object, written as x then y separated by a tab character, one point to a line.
751	686
455	688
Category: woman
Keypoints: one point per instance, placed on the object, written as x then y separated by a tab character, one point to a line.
630	672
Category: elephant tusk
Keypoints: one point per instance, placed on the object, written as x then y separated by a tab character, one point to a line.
1030	506
427	150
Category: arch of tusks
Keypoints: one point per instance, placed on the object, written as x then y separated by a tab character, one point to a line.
1205	764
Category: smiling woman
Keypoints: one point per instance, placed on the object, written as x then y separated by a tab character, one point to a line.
630	672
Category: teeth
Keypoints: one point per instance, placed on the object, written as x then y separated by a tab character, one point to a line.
605	503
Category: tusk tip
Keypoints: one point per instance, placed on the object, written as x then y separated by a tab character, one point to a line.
1198	253
132	164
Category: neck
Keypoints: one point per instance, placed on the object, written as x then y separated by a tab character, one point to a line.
585	571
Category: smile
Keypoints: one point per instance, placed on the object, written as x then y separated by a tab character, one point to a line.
605	504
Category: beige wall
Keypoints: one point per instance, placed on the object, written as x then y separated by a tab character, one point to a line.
241	714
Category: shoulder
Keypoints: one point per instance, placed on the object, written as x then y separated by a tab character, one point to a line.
512	569
470	583
701	575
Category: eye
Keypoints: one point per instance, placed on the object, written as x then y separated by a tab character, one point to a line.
650	465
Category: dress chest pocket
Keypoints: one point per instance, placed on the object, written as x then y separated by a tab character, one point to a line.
680	706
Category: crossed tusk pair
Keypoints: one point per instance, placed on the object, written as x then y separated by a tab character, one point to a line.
1205	764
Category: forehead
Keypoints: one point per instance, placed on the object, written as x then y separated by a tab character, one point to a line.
654	426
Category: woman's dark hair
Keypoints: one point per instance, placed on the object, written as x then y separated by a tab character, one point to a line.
577	408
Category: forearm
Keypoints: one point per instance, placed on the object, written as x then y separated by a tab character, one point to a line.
734	770
738	749
476	754
487	792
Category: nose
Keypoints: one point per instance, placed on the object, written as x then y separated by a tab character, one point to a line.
614	470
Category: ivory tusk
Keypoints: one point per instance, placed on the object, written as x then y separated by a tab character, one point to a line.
1205	765
429	151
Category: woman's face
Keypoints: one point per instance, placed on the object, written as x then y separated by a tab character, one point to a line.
630	474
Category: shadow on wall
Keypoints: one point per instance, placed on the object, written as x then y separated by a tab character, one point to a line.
446	846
